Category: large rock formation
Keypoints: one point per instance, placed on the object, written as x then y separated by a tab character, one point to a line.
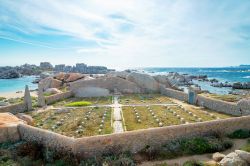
111	83
146	82
9	73
50	82
163	79
53	91
121	74
27	118
91	92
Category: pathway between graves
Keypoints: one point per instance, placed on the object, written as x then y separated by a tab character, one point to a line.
117	125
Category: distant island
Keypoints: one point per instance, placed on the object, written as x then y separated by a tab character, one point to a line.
8	72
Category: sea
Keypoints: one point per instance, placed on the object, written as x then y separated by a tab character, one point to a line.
17	84
225	74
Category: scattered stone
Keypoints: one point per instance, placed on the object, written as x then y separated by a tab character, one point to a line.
218	156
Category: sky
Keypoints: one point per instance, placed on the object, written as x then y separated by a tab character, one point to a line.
124	34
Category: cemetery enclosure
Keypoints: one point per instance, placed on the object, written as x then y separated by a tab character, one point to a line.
139	111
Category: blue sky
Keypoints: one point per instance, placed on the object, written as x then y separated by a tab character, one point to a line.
123	34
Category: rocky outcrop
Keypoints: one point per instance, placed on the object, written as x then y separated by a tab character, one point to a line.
111	83
50	82
46	66
146	82
74	77
121	74
163	79
240	85
9	73
91	92
233	159
244	155
53	91
218	157
68	77
27	118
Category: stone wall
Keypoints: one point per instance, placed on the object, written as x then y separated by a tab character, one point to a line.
57	97
218	105
14	108
9	133
46	138
174	93
133	141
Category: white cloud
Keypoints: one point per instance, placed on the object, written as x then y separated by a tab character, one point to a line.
163	32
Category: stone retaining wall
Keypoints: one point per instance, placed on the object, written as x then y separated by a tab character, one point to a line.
57	97
46	138
133	141
14	108
218	105
174	93
9	133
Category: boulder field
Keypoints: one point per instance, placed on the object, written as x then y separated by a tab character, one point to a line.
122	82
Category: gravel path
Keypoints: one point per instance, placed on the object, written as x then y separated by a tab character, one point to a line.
117	125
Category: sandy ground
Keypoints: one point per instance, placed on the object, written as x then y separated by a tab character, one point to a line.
9	95
205	157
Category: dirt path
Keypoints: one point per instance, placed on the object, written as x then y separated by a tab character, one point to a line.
205	157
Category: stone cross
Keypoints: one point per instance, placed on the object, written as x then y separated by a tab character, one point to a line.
41	99
27	98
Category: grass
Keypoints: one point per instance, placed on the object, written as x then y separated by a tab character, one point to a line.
144	99
78	104
228	97
84	120
94	100
165	115
246	147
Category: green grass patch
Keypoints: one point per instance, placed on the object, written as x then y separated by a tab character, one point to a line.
78	104
246	147
239	134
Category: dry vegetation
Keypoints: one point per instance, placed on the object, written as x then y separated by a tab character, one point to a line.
76	122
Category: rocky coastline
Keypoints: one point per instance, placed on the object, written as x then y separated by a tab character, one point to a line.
46	69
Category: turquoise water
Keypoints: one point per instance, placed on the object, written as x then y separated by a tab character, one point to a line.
18	84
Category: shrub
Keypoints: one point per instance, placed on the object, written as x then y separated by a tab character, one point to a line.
78	104
240	134
186	146
2	98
